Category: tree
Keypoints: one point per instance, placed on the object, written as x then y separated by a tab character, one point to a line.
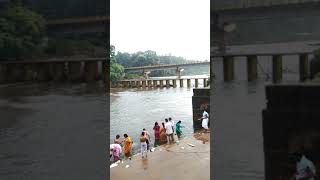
21	32
116	70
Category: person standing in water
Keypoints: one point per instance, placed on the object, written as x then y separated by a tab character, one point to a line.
143	143
178	129
169	131
205	120
127	146
146	133
172	122
117	140
156	130
163	136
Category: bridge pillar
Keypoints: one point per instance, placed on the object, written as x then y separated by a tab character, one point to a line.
133	84
276	68
91	72
149	83
168	83
252	62
196	84
3	73
143	84
138	84
174	82
155	84
188	83
15	73
74	71
181	82
204	82
58	70
161	83
303	67
44	72
28	71
228	68
178	72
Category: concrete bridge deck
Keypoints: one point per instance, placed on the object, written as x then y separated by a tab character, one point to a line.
165	66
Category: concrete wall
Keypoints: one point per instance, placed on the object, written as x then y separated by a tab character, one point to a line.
290	124
200	100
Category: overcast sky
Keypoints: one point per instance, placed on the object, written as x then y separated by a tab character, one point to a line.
179	27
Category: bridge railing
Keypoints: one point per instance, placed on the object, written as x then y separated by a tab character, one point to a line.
252	64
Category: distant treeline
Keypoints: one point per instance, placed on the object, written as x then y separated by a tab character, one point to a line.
145	58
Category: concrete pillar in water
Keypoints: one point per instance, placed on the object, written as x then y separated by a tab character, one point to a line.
74	71
181	82
133	84
161	83
188	83
252	70
228	68
196	84
143	84
155	83
28	72
3	73
138	84
15	72
91	72
174	82
167	83
276	68
303	67
149	83
58	70
204	82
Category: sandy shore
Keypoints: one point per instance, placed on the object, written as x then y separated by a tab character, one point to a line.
189	159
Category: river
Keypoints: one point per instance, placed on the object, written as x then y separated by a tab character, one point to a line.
53	131
237	132
131	110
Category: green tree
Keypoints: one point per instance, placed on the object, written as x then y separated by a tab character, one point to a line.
21	32
116	70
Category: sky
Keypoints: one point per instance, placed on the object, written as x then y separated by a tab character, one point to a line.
176	27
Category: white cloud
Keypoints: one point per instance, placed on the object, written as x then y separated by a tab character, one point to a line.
179	27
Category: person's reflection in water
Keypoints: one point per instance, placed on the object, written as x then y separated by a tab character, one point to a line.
145	163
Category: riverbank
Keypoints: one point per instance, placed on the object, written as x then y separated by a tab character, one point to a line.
188	159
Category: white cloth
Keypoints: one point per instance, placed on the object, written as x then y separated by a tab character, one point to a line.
205	120
168	127
143	148
302	166
172	123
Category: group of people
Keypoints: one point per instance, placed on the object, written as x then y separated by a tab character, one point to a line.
162	135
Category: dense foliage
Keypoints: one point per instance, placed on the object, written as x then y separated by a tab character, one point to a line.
21	32
116	70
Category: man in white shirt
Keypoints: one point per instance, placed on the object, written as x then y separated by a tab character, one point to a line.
205	120
169	131
173	125
305	168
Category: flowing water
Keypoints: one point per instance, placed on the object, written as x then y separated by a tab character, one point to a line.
135	109
237	118
50	131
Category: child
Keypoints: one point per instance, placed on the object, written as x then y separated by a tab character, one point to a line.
178	129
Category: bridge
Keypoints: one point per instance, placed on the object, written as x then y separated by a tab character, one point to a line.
79	24
166	66
67	69
265	21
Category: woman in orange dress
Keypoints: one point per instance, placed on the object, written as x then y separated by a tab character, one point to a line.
127	147
163	136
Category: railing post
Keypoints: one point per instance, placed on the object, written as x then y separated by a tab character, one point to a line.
303	67
188	83
181	82
252	72
276	68
228	68
196	83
